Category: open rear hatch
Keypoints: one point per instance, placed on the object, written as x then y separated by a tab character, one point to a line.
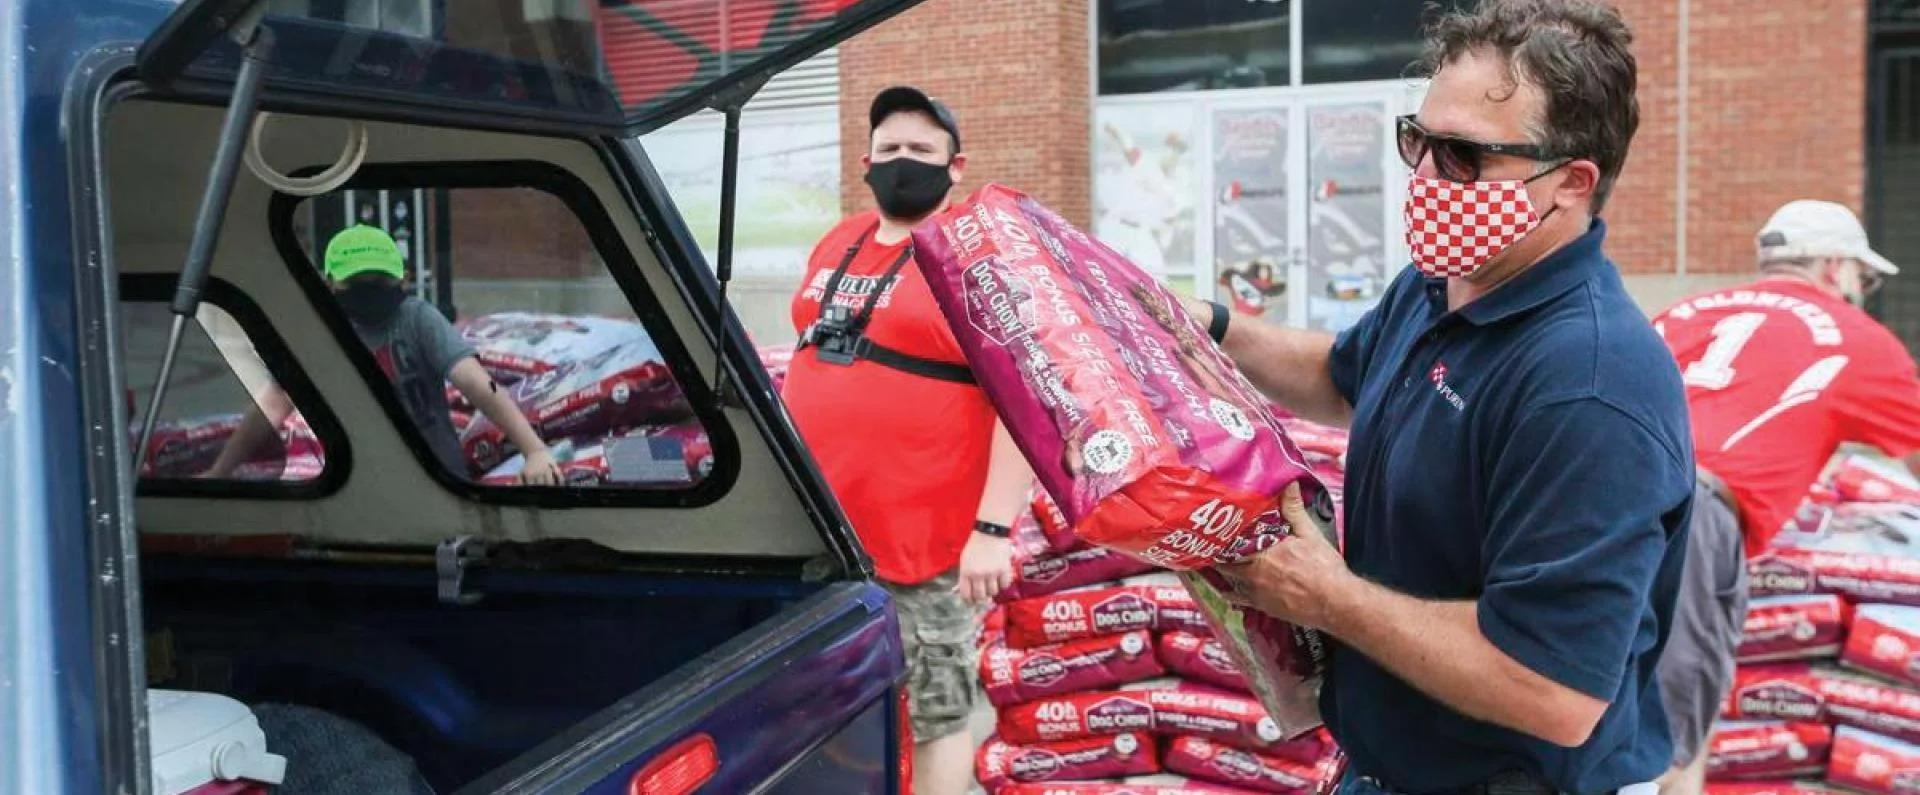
579	68
622	68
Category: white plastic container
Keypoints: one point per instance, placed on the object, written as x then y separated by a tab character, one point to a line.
204	738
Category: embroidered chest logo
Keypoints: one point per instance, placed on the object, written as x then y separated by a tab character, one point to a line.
1438	375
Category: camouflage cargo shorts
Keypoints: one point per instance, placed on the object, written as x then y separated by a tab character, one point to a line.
938	630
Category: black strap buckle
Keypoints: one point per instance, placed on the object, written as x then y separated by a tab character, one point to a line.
841	348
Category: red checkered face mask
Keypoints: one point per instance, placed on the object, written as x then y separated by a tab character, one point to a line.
1453	228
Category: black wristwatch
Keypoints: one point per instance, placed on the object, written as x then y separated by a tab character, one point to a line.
1217	325
987	528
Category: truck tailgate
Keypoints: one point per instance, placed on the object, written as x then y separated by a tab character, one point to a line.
806	701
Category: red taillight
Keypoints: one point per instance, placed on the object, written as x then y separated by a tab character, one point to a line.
680	770
906	742
230	788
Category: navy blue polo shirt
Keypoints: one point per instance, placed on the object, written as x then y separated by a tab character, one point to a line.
1529	451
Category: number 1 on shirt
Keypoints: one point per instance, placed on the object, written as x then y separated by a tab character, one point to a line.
1730	336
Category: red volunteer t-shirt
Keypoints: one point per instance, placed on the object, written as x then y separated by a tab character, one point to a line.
1778	374
905	454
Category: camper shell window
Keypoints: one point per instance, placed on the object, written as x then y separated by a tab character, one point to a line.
521	259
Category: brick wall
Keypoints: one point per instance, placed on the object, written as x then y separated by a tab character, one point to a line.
518	233
1777	111
1777	95
1015	74
1641	213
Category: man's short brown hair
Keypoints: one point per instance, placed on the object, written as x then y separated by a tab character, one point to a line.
1577	52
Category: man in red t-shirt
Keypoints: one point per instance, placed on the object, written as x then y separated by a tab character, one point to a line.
910	445
1779	373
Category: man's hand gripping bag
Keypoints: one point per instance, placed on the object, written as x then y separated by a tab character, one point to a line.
1145	434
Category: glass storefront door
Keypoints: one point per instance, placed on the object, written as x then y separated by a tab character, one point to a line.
1281	202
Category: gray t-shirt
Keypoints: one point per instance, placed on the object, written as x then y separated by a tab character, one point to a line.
417	350
438	342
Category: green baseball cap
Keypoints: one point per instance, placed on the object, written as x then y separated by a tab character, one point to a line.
363	249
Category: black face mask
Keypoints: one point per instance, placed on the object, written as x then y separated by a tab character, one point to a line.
371	303
908	189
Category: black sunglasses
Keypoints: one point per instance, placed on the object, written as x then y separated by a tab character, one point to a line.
1457	159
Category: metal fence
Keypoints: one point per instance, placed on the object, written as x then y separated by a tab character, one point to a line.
1893	158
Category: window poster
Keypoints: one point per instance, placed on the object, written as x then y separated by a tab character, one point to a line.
1251	246
1144	186
1346	238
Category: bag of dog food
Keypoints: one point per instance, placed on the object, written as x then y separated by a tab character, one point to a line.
1782	571
293	469
1015	675
1181	612
1873	763
1053	522
458	404
1141	429
1763	749
993	628
1884	529
618	388
1861	480
1158	787
1316	440
1885	640
1893	579
1047	574
1077	715
1084	613
777	358
1091	612
514	345
1210	761
1147	436
1799	692
1200	659
186	448
999	763
1029	540
1871	704
1789	691
1311	747
1793	627
1229	718
1768	788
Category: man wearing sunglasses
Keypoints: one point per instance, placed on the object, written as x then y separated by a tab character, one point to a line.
1520	472
1778	372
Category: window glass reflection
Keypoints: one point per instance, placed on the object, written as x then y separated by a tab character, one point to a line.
1184	45
1356	40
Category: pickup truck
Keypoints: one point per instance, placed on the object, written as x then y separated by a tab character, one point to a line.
646	628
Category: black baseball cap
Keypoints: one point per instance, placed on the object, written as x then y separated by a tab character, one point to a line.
908	98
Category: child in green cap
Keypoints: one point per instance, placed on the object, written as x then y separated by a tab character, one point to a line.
419	351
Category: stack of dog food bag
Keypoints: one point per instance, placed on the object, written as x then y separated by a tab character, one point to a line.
595	388
1156	452
589	385
1106	679
776	358
1828	689
186	448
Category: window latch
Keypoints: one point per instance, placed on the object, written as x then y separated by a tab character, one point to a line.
451	560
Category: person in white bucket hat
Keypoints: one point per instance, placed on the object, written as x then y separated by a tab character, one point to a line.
1779	372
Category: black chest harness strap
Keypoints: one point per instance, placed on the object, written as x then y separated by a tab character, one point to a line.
841	335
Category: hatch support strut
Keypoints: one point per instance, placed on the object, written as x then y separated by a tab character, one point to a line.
256	42
729	103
